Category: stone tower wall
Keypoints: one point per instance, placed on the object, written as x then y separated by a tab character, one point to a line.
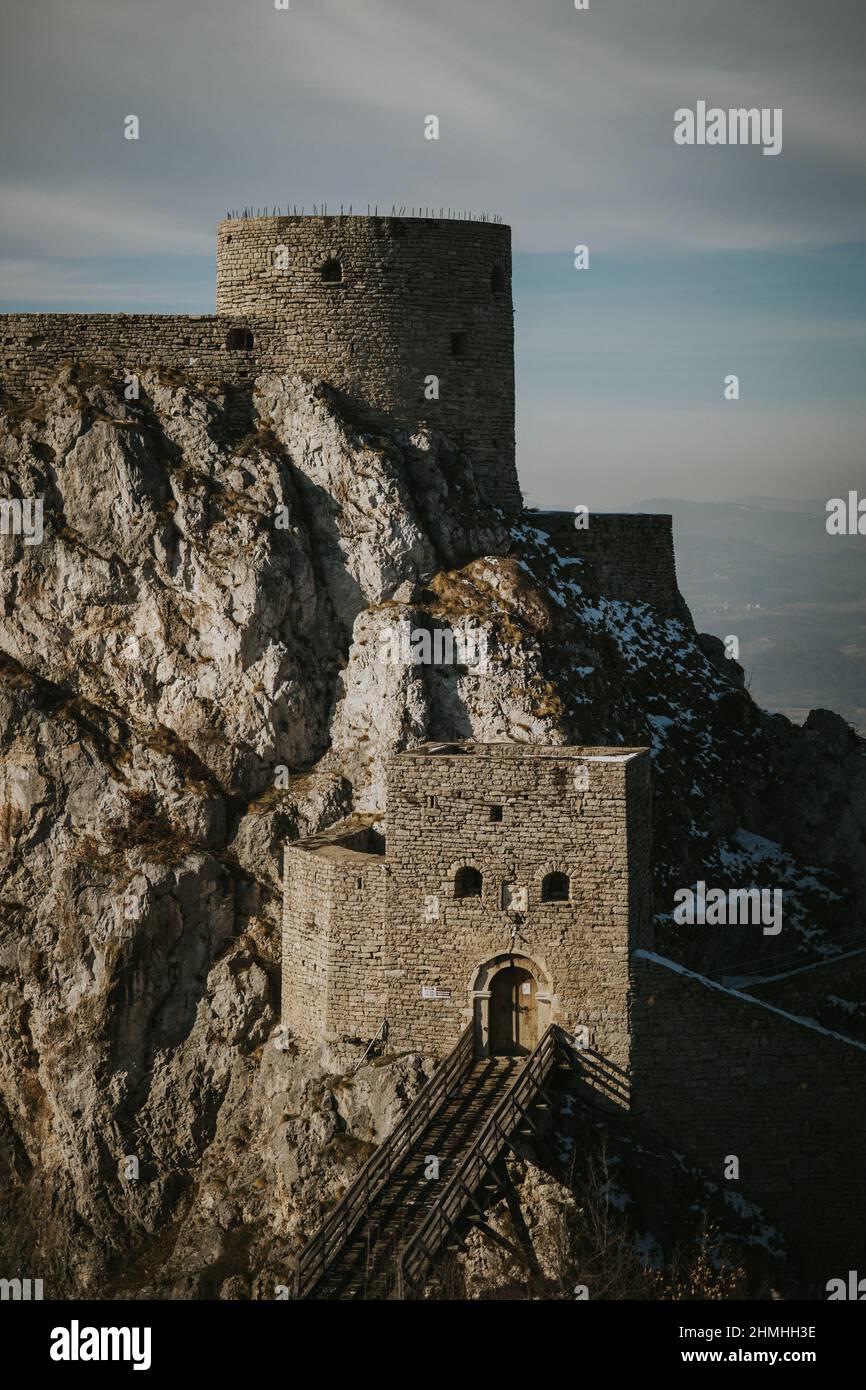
416	297
599	837
334	961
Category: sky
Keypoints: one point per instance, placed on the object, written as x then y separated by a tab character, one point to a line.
704	261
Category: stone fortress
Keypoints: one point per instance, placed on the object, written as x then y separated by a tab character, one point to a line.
377	307
374	305
506	886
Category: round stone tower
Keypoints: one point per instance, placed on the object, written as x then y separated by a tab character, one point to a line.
409	317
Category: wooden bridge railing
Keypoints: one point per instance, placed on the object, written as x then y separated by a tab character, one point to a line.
324	1247
441	1222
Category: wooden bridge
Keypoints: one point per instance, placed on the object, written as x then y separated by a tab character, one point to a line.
396	1220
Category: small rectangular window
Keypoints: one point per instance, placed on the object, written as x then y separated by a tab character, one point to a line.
496	813
432	803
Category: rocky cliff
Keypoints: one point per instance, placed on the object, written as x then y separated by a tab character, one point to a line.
190	672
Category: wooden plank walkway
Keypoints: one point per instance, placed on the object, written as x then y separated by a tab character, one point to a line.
395	1221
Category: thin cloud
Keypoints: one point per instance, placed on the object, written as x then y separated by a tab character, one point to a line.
95	222
560	120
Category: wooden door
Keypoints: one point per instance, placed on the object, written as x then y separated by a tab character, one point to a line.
513	1013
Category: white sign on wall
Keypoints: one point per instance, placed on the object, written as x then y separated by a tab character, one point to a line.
513	897
434	992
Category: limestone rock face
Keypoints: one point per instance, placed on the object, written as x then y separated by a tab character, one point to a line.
206	656
389	700
212	591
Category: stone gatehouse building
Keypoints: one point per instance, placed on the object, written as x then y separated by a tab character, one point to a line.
506	885
509	886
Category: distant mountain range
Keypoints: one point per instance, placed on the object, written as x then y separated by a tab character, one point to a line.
765	570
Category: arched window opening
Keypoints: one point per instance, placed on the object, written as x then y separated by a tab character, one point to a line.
497	279
239	340
459	343
467	883
555	888
332	272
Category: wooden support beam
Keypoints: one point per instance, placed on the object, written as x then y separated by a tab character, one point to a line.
452	1228
520	1226
496	1239
507	1140
479	1213
533	1128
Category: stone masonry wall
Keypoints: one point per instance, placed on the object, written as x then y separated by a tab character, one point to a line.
628	555
599	837
357	979
34	346
721	1073
332	978
307	897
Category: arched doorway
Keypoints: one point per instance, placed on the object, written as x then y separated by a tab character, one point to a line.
513	1013
521	1015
